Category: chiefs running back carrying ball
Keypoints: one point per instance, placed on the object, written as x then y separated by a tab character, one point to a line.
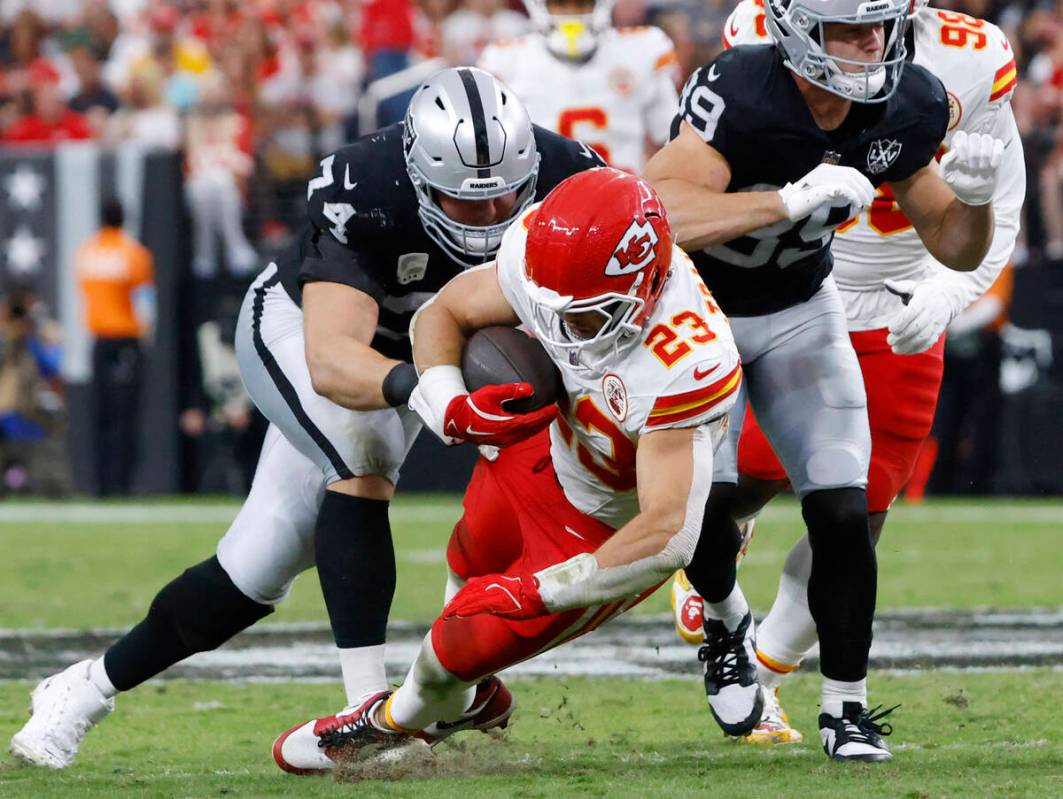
567	528
898	301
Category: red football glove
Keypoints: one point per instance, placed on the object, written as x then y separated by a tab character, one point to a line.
480	417
499	595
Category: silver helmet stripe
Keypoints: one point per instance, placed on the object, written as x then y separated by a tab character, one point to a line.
479	124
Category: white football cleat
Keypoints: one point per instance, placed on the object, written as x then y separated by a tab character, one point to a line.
64	707
774	727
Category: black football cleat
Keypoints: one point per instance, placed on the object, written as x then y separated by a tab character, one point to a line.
731	676
856	735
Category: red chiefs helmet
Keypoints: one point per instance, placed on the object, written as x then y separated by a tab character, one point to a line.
598	253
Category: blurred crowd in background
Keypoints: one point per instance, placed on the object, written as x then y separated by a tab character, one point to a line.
253	93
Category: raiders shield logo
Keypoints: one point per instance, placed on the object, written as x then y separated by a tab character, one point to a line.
412	267
882	154
615	396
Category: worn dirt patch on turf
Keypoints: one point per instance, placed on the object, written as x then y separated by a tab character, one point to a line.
643	646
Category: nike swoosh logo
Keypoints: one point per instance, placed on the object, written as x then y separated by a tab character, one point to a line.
733	31
347	179
449	725
698	374
471	432
713	74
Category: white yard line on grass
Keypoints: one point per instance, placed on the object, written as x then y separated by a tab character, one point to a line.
643	647
180	513
979	513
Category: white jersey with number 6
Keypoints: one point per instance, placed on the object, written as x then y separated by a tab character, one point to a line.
975	62
624	96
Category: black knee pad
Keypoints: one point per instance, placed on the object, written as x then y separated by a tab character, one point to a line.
837	519
203	608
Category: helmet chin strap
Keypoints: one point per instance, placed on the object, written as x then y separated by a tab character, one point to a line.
856	84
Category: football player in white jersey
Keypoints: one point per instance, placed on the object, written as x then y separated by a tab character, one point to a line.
898	301
567	528
613	88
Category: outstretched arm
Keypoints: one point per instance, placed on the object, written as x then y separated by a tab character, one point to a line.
674	469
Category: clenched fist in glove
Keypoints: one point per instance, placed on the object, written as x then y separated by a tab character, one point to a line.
455	415
481	417
919	324
499	595
972	165
827	184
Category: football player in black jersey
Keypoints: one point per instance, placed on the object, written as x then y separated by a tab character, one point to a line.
323	346
774	147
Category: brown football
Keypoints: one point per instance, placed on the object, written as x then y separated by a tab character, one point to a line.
496	355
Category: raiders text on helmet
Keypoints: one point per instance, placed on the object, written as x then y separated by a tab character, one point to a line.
468	136
796	26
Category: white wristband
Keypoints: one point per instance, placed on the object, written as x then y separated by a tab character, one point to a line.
436	388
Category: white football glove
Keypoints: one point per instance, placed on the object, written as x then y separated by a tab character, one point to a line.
972	165
827	184
919	324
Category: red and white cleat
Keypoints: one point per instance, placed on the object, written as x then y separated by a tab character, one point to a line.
316	746
774	727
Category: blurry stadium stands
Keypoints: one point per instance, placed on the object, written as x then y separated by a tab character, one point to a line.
198	111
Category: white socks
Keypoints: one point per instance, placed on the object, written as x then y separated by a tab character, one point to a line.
788	631
730	611
430	693
364	672
98	677
836	692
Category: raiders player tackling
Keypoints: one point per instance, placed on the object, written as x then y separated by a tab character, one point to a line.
324	351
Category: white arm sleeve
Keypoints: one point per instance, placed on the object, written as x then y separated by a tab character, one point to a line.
580	582
963	288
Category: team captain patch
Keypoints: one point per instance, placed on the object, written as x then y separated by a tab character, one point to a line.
882	154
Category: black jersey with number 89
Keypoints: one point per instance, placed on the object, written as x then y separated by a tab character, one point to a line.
747	106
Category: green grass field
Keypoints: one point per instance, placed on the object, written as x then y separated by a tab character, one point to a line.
99	574
959	734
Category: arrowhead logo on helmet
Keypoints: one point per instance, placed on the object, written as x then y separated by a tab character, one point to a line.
637	248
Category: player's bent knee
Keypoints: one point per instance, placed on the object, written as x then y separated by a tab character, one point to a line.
204	608
370	486
835	511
